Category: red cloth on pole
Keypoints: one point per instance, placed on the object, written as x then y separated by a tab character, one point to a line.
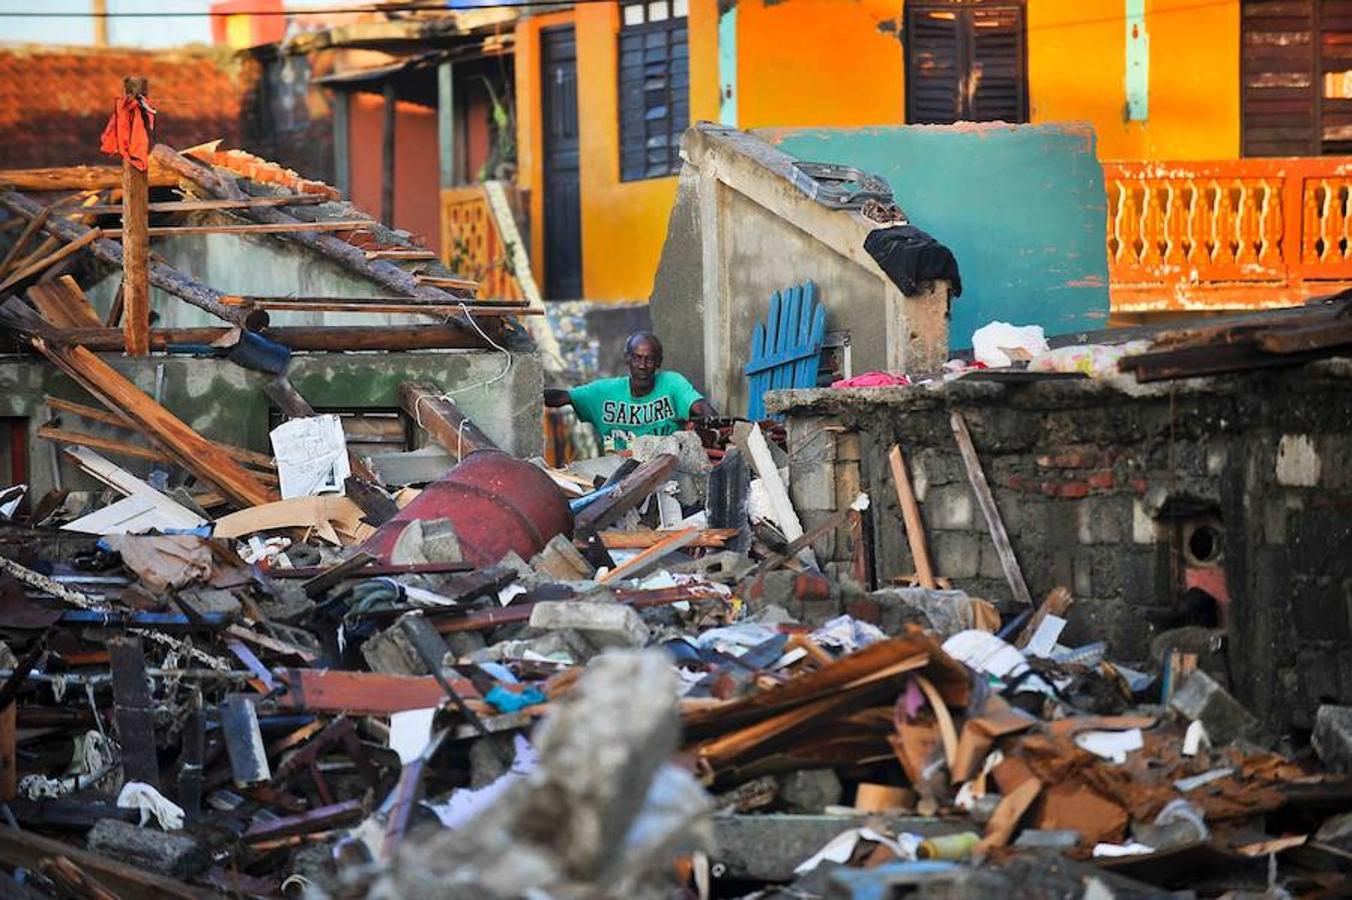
129	130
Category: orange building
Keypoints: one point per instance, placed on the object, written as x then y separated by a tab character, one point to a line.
605	89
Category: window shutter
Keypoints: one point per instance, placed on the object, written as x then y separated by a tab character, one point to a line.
1279	90
934	71
998	88
1335	76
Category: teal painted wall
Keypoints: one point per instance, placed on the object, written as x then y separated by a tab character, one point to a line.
1022	207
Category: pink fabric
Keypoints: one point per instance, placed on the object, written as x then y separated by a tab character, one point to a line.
872	380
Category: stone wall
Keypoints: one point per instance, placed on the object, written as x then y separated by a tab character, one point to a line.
1128	495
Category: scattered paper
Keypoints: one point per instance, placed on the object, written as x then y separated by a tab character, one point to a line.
311	456
847	634
465	804
1132	848
409	733
1110	745
1043	642
841	847
999	344
1195	738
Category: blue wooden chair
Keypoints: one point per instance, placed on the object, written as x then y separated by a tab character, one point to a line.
786	348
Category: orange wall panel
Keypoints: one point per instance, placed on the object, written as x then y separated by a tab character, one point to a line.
819	62
416	190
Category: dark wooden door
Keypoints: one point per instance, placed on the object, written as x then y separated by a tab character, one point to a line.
563	195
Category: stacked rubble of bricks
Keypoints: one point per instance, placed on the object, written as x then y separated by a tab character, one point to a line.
1126	495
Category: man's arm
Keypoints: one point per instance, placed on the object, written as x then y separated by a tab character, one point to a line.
703	409
556	398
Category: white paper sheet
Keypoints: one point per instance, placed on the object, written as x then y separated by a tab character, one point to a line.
311	456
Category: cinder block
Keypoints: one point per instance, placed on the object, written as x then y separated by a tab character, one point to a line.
951	507
956	554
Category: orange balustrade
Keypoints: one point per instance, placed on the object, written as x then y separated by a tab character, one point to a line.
472	246
1237	234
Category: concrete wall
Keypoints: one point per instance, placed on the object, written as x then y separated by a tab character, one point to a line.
226	403
251	266
1022	207
1101	489
741	230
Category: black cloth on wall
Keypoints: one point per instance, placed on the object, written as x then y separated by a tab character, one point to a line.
910	256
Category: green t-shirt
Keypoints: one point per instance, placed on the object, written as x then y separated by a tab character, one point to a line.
619	416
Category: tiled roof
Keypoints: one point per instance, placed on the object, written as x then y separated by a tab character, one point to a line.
264	171
54	102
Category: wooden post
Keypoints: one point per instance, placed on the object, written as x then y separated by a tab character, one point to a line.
100	10
9	757
910	514
1008	561
135	245
446	123
387	157
442	419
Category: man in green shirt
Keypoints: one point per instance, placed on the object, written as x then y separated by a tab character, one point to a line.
647	402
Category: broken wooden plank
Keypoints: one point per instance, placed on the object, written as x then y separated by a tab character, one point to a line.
74	246
1008	561
643	538
133	710
297	337
174	206
437	414
363	693
629	493
135	236
255	228
28	850
448	282
33	226
76	178
786	517
129	485
377	305
910	513
400	254
63	304
321	819
188	448
650	557
162	276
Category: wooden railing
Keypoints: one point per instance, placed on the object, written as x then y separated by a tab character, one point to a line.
473	245
1237	234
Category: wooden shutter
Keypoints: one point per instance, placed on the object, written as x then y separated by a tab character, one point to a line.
1335	76
933	73
997	88
1280	91
966	62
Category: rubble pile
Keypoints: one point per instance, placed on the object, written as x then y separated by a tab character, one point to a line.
628	678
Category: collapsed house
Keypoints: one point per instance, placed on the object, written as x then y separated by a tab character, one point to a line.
1071	622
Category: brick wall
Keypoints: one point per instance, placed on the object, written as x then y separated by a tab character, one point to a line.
1241	486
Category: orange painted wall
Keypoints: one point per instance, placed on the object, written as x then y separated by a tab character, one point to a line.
416	193
819	62
1077	70
623	223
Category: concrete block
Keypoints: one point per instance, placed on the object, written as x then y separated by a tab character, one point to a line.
561	560
1103	520
604	624
1332	738
813	486
950	507
175	855
1201	698
989	565
1298	462
956	554
391	652
810	791
770	847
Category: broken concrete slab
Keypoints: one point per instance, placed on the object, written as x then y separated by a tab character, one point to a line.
175	855
810	791
604	624
426	541
562	561
1332	738
1201	699
391	652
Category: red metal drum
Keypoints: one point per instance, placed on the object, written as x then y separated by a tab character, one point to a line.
495	503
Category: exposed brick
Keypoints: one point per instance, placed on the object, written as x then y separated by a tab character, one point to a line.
1073	490
1139	485
1101	480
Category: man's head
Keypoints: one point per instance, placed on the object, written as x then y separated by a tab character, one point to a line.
643	356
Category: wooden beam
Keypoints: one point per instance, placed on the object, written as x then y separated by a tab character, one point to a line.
63	304
164	277
387	155
135	236
135	451
348	304
442	419
33	227
640	540
297	337
631	491
173	206
650	557
74	246
114	319
401	254
76	178
188	448
910	513
1008	561
283	228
